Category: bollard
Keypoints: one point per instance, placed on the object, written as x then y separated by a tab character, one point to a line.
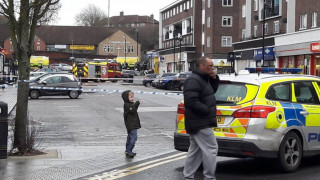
3	130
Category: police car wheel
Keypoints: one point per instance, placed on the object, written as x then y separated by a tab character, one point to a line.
148	84
73	94
290	152
34	94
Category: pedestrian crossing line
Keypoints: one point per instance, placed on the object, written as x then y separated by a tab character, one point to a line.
116	174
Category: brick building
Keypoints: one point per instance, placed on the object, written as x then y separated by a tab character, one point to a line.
201	28
290	29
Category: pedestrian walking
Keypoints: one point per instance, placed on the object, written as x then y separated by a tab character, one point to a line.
131	121
200	117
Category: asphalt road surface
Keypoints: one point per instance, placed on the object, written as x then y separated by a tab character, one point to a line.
95	120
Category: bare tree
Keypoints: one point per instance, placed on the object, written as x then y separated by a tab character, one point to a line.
91	16
24	16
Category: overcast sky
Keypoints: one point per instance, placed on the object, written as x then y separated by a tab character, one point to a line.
70	8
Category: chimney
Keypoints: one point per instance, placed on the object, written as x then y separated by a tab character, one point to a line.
121	13
151	16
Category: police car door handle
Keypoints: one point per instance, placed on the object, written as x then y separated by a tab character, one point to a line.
304	113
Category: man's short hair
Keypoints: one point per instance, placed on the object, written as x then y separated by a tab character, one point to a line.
201	60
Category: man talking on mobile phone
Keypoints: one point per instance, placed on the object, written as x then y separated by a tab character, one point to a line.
200	118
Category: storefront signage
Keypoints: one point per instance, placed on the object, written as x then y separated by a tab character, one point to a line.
315	47
268	54
60	46
119	42
82	47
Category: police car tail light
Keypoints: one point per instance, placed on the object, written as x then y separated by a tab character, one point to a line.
180	108
253	112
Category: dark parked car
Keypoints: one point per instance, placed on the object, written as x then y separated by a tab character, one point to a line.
178	82
49	85
156	82
148	79
128	75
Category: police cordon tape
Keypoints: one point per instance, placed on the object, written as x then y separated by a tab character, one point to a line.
103	79
105	90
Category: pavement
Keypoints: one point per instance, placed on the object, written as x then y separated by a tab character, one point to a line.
67	162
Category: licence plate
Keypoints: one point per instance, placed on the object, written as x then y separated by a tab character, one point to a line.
220	119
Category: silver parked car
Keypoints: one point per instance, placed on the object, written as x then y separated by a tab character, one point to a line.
55	85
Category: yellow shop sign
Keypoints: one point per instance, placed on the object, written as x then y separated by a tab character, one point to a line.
82	47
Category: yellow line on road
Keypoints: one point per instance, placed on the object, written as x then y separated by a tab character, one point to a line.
115	174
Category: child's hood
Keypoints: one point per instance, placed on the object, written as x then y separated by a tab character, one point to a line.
125	96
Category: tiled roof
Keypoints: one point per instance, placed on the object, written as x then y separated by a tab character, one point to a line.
132	19
86	35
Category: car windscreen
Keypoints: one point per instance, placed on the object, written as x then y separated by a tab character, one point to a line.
235	93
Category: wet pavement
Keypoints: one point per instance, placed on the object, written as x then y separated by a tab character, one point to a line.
66	161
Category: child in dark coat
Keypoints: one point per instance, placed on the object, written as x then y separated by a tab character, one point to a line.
131	120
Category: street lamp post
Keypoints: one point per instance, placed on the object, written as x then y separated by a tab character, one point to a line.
125	49
263	32
137	43
174	50
180	40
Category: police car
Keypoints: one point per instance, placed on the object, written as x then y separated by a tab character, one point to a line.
264	116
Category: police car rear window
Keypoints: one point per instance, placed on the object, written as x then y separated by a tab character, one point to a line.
231	93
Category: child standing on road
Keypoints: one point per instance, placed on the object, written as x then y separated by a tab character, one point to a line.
131	120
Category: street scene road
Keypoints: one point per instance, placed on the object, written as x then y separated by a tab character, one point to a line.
87	137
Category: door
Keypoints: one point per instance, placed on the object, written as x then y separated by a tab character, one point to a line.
50	84
306	103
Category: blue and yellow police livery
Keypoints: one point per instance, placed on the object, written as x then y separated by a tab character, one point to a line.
264	115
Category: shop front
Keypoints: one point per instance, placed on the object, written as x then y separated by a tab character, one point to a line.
299	50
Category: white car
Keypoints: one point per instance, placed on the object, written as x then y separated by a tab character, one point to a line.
62	67
36	74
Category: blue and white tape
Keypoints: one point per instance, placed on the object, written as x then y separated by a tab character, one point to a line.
106	90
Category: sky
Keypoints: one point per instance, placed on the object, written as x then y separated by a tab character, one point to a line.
70	8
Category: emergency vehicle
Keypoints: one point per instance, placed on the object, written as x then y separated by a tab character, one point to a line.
129	61
38	61
264	116
97	71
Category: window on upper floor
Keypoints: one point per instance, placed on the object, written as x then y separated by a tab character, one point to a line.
243	34
255	31
209	4
265	27
188	4
226	41
255	5
314	19
174	11
272	8
244	11
208	41
191	3
276	27
208	22
303	21
227	2
38	48
226	21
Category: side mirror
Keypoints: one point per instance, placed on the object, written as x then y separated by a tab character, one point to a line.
44	82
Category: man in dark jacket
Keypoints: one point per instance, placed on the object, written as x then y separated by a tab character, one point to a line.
131	120
200	117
